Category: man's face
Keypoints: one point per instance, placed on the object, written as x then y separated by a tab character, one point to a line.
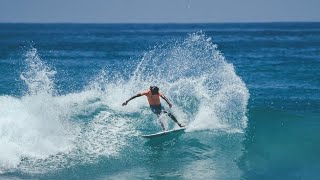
154	90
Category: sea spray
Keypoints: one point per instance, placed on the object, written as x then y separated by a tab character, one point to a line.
38	77
35	126
45	131
194	74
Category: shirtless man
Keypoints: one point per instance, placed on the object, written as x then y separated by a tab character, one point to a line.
153	96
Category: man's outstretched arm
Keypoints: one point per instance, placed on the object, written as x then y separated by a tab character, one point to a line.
126	102
166	99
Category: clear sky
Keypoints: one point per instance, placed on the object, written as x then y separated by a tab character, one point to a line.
158	11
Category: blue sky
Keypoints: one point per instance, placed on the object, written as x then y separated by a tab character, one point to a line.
158	11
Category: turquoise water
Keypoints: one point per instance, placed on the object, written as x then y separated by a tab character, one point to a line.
249	92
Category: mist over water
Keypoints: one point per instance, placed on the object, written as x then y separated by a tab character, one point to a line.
47	132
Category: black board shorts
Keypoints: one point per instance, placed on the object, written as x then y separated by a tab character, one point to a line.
157	109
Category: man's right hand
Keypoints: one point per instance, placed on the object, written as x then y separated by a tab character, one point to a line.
125	103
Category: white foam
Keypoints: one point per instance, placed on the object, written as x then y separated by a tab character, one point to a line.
198	79
203	86
36	125
30	128
43	131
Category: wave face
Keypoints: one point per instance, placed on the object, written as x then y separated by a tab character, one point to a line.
46	133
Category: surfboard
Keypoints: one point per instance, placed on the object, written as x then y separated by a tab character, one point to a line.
173	131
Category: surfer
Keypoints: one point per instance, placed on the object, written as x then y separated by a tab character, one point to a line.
153	96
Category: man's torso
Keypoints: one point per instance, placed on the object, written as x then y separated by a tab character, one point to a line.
152	99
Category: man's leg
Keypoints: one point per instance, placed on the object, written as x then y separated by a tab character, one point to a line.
163	129
161	123
158	113
173	118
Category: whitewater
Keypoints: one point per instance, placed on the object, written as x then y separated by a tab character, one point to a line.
44	131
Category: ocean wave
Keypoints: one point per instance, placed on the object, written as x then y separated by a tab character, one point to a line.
44	131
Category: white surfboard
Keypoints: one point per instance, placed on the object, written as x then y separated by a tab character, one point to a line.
162	133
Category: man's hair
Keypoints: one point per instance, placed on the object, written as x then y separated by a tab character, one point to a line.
154	89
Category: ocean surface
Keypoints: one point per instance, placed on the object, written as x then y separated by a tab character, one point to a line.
249	92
